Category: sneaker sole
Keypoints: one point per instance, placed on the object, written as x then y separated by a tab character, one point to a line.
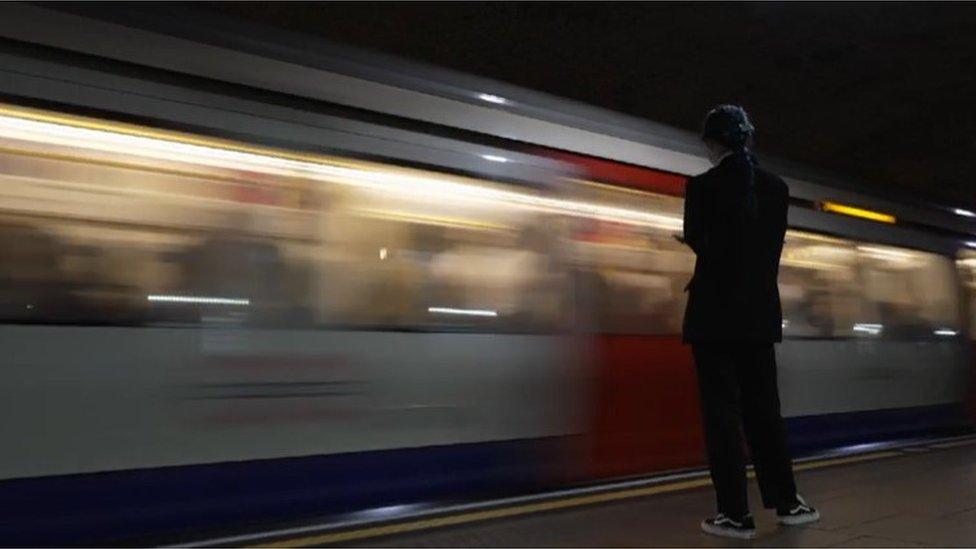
805	518
726	532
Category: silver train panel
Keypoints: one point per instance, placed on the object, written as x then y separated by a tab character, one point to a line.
836	376
94	399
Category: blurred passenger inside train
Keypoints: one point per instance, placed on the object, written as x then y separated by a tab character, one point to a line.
502	279
537	284
238	276
45	278
33	285
735	222
904	320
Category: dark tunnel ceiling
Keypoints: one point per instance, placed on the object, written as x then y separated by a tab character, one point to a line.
880	92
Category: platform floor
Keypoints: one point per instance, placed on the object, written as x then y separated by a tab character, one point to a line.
921	497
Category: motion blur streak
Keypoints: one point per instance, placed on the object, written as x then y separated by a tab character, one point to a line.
176	148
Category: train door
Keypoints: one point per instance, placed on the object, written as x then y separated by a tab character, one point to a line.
629	275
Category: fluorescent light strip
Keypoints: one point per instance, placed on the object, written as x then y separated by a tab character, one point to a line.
964	213
498	100
205	300
945	332
873	329
467	312
384	181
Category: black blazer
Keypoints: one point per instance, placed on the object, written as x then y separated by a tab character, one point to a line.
733	295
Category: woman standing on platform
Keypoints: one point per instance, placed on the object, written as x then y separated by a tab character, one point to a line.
735	222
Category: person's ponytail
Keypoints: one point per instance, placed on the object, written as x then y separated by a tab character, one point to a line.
751	206
729	125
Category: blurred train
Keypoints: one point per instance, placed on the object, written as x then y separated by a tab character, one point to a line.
250	280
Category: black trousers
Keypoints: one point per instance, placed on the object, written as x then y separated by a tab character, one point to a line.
738	388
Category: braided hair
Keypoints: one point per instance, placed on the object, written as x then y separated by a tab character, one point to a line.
730	126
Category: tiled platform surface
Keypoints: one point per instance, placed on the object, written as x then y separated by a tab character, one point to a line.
922	498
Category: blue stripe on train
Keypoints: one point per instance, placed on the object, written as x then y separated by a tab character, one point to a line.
92	509
809	434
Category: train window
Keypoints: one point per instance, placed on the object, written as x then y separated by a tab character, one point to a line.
630	277
113	224
966	266
907	294
832	287
818	286
447	262
106	223
94	239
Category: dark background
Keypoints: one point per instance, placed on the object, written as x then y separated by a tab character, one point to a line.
881	92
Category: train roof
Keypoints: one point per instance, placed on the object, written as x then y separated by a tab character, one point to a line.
190	41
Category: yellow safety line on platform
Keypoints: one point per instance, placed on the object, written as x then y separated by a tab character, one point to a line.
844	460
489	514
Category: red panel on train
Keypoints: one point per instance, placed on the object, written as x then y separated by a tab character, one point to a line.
647	416
625	175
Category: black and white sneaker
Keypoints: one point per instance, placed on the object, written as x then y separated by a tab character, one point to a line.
800	513
722	525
